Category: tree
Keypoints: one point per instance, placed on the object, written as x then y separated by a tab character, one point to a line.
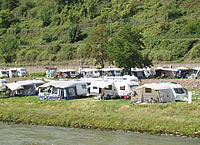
126	49
75	33
6	19
96	46
8	50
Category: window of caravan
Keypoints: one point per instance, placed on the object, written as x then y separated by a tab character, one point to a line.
72	92
95	88
117	71
109	87
179	90
73	72
147	90
83	86
122	87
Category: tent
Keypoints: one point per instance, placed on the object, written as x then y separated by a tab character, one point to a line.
153	93
57	90
23	88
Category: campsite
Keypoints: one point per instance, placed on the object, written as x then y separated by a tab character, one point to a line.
101	103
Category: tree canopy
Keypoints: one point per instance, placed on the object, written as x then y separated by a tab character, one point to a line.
126	48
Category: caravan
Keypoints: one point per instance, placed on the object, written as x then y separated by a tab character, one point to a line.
68	73
111	72
21	72
104	89
4	73
90	73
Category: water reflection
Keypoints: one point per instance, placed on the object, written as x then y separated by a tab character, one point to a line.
44	135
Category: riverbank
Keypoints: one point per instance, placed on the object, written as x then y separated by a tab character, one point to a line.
177	118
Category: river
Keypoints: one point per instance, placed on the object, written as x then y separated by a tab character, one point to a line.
18	134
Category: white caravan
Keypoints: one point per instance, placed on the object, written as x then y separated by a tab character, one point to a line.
111	71
179	92
105	89
122	78
3	73
195	73
88	72
21	72
142	73
13	72
124	88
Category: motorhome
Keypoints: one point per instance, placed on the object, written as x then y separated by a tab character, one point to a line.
67	73
88	73
111	72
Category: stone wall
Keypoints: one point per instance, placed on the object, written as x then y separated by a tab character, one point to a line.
186	83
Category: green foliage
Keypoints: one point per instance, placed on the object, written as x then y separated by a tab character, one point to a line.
25	6
8	50
8	4
37	74
6	19
96	46
75	33
195	52
125	49
66	53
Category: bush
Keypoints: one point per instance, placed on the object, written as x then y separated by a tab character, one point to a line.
66	53
37	74
195	52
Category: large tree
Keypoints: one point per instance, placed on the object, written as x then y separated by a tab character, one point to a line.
126	48
96	46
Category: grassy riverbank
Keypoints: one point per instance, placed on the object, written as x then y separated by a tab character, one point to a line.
171	118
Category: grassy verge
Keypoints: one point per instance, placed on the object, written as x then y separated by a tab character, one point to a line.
177	118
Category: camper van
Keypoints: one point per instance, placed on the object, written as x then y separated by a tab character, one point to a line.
90	73
179	92
111	72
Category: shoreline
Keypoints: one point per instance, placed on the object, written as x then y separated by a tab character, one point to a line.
115	115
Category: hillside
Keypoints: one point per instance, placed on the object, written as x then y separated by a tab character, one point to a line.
55	31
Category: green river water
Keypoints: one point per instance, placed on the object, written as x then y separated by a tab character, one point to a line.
18	134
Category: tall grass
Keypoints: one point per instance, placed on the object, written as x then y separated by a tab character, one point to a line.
171	118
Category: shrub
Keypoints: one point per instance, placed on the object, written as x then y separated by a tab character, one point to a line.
66	53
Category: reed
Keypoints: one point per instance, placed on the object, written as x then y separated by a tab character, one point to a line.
177	118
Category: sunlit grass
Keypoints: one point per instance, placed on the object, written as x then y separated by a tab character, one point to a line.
175	118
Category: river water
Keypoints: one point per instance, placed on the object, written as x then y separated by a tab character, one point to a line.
18	134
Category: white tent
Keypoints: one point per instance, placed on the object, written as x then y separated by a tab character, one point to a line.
151	93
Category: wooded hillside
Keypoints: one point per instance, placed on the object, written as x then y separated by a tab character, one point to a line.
57	31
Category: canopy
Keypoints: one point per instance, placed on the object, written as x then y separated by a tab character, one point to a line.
58	84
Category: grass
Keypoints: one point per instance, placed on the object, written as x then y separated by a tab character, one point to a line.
177	118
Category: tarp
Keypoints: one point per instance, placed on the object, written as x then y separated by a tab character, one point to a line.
58	84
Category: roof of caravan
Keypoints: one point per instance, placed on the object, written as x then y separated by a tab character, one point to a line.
101	84
182	68
67	70
165	68
196	68
58	84
110	69
21	84
89	69
125	77
155	86
140	69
